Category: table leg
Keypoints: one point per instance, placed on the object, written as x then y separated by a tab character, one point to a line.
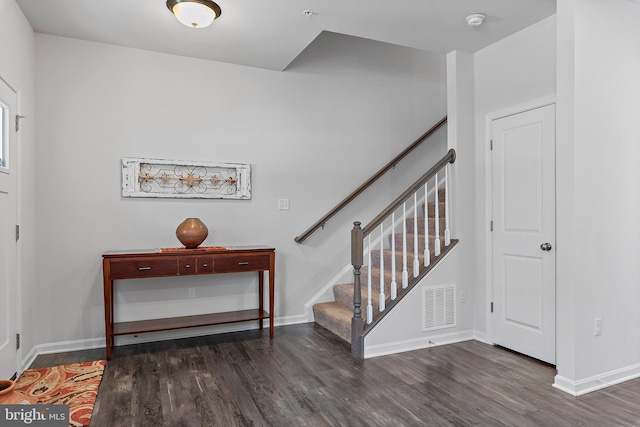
272	281
112	311
261	295
108	307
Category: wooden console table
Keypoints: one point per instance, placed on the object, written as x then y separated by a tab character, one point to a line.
118	265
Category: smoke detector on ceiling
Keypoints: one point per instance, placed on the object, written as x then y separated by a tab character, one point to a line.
476	19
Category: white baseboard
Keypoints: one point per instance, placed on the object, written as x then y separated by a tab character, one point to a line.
60	347
416	344
92	343
597	382
482	337
290	320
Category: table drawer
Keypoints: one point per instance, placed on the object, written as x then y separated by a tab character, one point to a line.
195	265
235	263
144	267
187	265
204	264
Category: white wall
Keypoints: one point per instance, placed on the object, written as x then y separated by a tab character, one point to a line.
17	64
511	72
598	188
311	133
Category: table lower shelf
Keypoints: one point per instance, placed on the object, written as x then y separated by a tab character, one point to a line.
165	324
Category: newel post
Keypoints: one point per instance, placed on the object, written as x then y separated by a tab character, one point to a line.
357	325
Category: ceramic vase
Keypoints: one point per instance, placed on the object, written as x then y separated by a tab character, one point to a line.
191	232
9	396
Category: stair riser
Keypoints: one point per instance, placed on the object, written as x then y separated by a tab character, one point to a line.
328	319
432	226
375	271
441	196
344	293
375	275
375	260
344	296
421	213
432	211
400	243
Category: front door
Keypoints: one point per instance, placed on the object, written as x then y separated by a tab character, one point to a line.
524	303
8	245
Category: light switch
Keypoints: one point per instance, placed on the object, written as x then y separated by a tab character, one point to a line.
283	204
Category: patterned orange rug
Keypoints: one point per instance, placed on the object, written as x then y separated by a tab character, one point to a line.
75	385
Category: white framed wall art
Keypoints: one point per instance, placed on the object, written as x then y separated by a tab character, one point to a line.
142	177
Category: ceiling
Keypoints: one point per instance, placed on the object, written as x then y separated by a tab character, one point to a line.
271	34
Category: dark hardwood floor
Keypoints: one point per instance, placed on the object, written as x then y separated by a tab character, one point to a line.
306	377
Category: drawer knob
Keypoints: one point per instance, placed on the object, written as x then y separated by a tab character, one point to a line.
243	263
144	268
205	265
187	266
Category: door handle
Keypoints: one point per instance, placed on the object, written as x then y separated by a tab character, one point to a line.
546	246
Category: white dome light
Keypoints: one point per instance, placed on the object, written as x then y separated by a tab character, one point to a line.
194	13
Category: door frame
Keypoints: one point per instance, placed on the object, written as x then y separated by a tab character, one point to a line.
489	118
17	160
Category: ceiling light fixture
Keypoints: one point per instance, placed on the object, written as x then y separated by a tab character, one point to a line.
475	20
194	13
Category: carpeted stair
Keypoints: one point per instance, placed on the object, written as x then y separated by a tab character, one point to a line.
336	315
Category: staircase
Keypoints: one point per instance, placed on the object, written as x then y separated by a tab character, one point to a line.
336	316
352	300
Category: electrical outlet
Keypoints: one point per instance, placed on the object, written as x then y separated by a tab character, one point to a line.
192	293
283	204
598	326
463	296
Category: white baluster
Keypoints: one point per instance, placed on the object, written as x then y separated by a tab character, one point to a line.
394	285
369	306
382	297
427	254
436	241
447	231
405	273
416	262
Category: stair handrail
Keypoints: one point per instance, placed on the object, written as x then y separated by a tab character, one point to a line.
357	244
450	157
322	221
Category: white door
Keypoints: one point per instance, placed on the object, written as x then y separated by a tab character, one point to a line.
8	244
524	288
